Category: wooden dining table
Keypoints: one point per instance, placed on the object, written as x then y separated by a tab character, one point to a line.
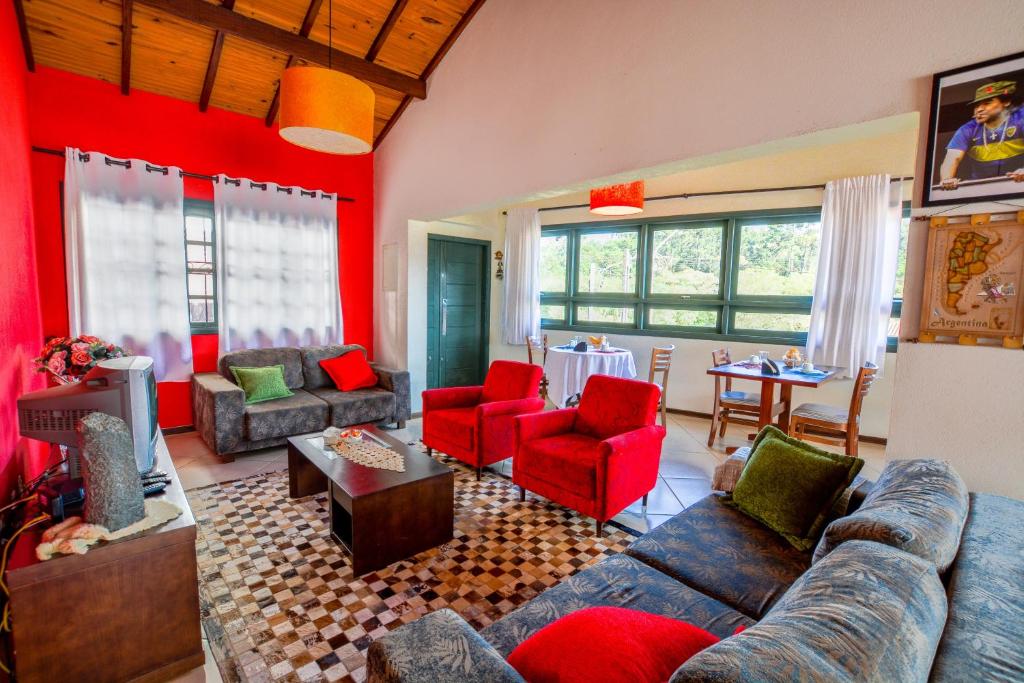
786	379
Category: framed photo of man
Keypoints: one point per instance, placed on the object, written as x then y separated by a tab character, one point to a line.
976	133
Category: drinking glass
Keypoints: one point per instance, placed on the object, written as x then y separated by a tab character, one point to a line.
763	355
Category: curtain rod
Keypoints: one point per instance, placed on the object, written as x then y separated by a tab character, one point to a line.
690	195
84	156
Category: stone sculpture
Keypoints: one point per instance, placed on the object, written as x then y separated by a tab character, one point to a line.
113	490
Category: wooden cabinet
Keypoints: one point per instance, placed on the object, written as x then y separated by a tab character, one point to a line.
124	611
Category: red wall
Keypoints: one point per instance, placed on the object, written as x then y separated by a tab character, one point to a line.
20	334
70	110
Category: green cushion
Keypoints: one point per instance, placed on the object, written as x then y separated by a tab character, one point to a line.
261	384
790	486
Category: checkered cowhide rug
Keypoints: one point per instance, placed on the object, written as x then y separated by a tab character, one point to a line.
279	601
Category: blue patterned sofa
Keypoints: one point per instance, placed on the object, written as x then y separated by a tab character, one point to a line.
229	426
917	580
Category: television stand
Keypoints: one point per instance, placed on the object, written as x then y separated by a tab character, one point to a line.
127	610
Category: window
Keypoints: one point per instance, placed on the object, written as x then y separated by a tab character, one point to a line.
608	262
201	266
746	276
687	260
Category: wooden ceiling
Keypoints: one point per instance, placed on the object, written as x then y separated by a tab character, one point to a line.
231	53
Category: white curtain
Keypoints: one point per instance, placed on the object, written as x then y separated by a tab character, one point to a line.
277	266
521	307
125	258
860	230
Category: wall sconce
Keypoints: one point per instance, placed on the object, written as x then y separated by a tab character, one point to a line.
499	257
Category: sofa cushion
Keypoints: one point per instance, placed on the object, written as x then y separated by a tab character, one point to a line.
618	581
261	384
568	461
610	644
986	596
789	485
724	553
918	506
357	407
310	357
297	414
350	371
867	612
258	358
455	426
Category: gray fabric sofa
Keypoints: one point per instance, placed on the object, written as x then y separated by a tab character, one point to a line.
870	605
229	426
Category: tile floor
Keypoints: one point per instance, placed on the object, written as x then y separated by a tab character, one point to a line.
684	478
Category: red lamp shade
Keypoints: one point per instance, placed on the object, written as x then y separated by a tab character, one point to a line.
618	200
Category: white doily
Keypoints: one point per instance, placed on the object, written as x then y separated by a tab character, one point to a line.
370	455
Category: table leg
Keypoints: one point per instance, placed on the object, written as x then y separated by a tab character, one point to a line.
786	396
304	479
767	399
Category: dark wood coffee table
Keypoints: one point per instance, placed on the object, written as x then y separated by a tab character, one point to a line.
379	516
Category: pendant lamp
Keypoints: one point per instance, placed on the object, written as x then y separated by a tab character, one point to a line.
618	200
325	110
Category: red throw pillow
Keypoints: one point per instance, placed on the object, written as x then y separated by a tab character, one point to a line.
350	371
608	644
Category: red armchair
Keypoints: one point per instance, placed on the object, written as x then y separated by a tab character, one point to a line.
475	424
597	458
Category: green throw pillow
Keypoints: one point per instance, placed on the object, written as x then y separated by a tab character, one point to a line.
790	486
261	384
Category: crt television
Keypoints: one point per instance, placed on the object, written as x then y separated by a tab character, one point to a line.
122	387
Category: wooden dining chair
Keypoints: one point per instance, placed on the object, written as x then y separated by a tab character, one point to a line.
740	407
834	425
539	345
661	361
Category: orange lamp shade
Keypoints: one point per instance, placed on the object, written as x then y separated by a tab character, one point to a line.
618	200
326	111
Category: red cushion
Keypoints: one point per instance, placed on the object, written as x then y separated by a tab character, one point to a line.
568	461
612	406
608	644
350	371
508	380
451	425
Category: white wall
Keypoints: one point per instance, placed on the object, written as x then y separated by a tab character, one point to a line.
964	404
543	96
537	95
488	226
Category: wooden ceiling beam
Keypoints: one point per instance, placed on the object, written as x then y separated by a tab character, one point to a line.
307	26
211	68
220	19
438	56
126	46
385	29
26	43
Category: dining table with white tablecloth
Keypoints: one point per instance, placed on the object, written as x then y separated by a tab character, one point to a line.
568	371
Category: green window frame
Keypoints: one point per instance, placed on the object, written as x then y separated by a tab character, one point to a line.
201	268
699	315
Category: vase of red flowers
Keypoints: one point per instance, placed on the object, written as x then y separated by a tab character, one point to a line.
67	359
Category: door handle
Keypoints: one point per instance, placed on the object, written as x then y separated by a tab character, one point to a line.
444	317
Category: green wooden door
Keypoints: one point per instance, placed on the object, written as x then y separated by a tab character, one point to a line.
458	278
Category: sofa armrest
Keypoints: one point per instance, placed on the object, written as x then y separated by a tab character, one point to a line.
636	438
542	425
451	397
218	407
513	407
439	646
397	382
728	472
